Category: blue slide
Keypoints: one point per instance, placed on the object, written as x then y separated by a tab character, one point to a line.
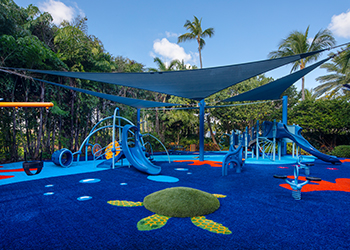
135	155
283	132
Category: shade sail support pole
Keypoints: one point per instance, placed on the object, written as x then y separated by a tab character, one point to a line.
201	129
284	120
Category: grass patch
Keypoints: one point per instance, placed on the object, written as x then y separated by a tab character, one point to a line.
181	202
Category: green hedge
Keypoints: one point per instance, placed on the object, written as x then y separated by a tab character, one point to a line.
342	151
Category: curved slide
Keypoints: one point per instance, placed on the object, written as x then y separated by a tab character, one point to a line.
136	155
283	132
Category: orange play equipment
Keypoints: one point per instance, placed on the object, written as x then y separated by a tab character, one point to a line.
26	104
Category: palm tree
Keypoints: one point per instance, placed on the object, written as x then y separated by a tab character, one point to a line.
310	95
180	65
162	66
297	43
196	33
332	84
345	58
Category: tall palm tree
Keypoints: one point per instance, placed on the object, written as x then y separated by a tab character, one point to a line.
332	84
297	43
196	33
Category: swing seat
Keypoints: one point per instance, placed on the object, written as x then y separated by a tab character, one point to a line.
28	165
313	178
280	176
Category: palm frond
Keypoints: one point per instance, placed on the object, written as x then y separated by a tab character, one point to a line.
185	37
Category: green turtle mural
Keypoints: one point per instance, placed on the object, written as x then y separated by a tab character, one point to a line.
181	202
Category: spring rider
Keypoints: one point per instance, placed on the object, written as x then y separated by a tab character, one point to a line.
294	184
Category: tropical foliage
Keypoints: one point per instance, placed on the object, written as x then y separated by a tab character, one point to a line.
332	84
325	122
298	43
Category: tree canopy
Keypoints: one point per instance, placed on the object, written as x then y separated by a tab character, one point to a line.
29	39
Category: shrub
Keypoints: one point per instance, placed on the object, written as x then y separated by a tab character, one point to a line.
342	151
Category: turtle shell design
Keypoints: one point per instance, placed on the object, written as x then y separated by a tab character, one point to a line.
178	202
108	150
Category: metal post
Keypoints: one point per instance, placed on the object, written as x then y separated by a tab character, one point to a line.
257	139
201	129
274	131
284	120
246	143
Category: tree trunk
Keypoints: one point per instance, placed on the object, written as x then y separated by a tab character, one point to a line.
211	131
40	133
71	139
97	120
200	56
76	139
302	66
302	88
59	132
47	132
157	116
157	121
14	145
53	137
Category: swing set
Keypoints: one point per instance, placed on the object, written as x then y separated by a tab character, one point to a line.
28	166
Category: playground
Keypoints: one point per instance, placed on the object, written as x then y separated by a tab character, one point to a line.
124	195
98	203
63	207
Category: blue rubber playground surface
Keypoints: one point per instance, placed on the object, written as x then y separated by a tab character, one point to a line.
74	208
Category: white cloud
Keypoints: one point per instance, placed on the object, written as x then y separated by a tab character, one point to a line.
59	11
340	25
195	56
171	34
171	51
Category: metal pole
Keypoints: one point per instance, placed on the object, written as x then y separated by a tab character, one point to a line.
284	120
257	140
201	129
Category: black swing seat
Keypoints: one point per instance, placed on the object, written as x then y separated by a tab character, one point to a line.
309	164
27	165
280	176
313	178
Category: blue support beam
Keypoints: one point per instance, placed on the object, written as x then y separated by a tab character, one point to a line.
284	109
284	120
201	129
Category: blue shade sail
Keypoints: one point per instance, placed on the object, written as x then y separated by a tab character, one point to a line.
193	84
136	103
275	89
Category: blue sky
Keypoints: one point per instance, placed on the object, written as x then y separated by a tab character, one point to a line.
245	31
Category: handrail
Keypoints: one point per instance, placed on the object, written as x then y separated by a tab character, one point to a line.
160	143
110	117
